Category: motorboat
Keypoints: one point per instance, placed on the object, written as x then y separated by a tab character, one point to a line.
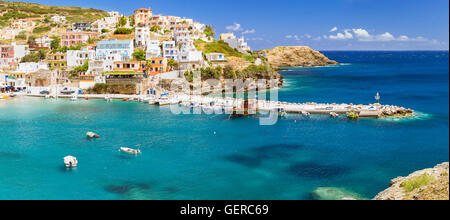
305	113
74	97
130	150
70	161
66	91
334	114
92	135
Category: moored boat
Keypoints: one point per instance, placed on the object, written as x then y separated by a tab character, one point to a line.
92	135
130	150
70	161
352	115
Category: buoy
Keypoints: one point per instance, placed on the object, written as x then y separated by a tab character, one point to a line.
86	98
125	99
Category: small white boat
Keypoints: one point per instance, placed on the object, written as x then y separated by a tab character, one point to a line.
334	114
70	161
74	98
108	99
305	113
47	97
164	101
130	150
92	135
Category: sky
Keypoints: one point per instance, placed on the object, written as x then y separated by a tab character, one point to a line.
319	24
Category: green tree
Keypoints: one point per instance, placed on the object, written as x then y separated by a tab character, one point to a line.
54	44
155	28
139	55
80	69
21	36
172	64
209	31
122	21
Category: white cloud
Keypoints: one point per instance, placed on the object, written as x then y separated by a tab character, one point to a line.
252	31
334	29
362	34
307	36
255	39
234	27
295	37
318	38
385	37
342	36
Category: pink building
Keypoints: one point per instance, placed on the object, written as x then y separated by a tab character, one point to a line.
75	38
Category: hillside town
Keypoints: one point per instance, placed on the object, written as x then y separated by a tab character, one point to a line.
138	50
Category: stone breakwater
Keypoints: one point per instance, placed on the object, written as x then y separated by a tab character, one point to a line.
364	111
427	184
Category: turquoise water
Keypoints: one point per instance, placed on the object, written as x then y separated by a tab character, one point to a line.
211	157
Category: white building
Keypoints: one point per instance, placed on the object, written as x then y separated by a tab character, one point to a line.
58	19
190	59
44	41
153	49
236	43
106	23
79	57
142	36
31	67
170	50
215	57
113	47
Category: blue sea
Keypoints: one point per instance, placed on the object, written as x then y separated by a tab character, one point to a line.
212	157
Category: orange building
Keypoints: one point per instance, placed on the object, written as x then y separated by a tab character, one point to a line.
158	65
135	66
142	15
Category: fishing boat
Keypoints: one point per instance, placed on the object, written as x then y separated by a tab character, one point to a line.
281	112
352	115
92	135
164	101
130	150
334	114
70	161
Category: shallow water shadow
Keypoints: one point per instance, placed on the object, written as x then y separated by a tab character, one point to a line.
244	160
118	189
10	155
315	170
276	150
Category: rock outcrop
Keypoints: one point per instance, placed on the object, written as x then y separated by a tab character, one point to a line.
428	184
299	56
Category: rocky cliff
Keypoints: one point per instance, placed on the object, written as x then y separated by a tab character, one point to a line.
300	56
428	184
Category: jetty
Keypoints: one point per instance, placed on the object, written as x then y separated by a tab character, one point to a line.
253	106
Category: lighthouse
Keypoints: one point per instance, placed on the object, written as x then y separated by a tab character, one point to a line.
377	98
